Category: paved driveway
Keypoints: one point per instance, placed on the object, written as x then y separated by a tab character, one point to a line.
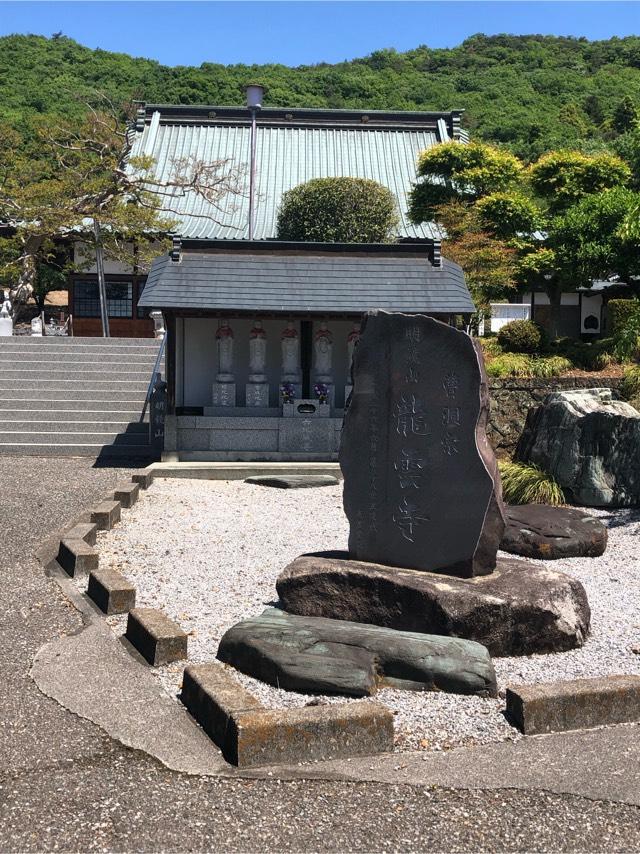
66	785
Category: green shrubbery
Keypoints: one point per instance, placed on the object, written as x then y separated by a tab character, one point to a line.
630	385
621	312
521	336
587	355
520	365
338	210
528	484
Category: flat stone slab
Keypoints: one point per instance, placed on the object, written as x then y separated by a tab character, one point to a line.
111	591
577	704
323	656
86	531
520	609
157	638
294	481
550	533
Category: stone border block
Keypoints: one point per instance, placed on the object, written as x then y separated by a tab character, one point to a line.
76	556
106	514
144	479
250	735
127	494
111	591
212	696
157	638
577	704
312	733
83	531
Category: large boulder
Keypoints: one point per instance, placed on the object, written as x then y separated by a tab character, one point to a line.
520	609
321	656
549	533
421	484
589	442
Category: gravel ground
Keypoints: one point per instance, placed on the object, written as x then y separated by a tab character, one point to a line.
209	552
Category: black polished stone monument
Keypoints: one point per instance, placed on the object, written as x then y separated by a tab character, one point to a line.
421	483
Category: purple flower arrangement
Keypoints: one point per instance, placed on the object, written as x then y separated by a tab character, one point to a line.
321	392
288	392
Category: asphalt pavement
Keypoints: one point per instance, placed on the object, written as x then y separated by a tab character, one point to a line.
67	785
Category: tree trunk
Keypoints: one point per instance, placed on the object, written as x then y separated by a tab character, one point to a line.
25	285
555	299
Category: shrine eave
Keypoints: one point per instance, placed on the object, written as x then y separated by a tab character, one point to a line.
308	281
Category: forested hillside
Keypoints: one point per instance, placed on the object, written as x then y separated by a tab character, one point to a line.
530	92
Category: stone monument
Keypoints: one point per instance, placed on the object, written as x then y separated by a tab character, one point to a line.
422	488
291	379
352	342
224	387
6	322
323	367
423	497
257	389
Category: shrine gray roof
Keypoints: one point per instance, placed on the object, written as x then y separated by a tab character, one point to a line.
306	283
293	146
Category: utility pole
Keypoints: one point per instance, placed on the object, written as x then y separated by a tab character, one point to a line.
102	288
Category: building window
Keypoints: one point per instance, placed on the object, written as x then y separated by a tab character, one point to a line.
86	301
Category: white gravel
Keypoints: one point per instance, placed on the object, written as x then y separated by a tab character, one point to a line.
208	553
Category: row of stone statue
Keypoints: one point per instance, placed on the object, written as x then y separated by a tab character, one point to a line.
290	347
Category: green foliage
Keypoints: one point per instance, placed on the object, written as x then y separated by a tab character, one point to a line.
508	214
452	170
625	116
490	346
630	385
521	365
520	336
620	312
529	484
529	93
587	355
589	240
564	177
338	210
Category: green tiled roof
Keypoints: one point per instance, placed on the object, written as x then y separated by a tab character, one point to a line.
292	147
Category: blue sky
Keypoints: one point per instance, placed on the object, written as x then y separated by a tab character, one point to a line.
293	33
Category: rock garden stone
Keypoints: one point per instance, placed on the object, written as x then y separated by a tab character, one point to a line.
548	533
520	609
590	443
324	656
421	487
293	481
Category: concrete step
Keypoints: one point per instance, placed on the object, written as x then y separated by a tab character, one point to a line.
78	449
93	387
49	437
79	426
125	410
127	397
89	358
107	373
77	341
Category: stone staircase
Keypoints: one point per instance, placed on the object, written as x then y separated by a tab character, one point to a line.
75	396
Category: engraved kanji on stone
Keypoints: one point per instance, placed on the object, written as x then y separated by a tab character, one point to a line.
407	517
410	417
410	468
451	416
413	374
449	444
450	384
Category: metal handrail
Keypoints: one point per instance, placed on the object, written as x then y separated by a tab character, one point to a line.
154	374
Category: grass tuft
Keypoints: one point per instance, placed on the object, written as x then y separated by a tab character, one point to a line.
519	365
528	484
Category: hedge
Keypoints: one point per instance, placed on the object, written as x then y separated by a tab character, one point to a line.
620	313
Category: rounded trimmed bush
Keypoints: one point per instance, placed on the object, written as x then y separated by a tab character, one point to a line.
520	336
338	210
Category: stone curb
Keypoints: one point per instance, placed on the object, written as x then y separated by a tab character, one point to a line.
577	704
157	638
106	514
250	735
76	556
144	479
111	591
126	494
